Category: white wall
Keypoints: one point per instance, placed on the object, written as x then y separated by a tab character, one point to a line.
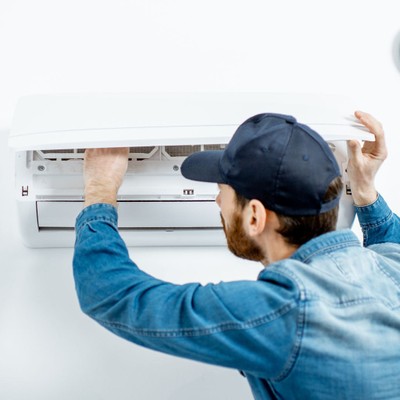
48	349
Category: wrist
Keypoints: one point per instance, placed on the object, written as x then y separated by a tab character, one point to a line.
364	197
100	193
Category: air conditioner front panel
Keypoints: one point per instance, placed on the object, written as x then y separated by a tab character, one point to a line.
127	137
94	121
136	214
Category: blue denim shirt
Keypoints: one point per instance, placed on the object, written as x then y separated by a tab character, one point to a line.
322	324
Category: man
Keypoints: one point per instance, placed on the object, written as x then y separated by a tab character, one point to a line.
322	320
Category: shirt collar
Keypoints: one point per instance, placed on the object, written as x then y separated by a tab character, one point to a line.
326	243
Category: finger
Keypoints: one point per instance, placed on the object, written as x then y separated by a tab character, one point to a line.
378	148
114	150
370	122
107	151
354	149
123	151
88	154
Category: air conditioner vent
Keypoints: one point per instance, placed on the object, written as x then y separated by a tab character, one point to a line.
181	151
61	155
142	150
135	153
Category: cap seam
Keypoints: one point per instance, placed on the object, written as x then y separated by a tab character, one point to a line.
279	172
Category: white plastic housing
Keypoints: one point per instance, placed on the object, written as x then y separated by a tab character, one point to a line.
157	206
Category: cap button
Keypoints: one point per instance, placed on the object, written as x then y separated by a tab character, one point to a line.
290	119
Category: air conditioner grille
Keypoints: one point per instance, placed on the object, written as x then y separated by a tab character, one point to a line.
135	153
181	151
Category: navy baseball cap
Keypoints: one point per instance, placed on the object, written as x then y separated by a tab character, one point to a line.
274	159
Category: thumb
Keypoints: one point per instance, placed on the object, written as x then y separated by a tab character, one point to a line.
354	149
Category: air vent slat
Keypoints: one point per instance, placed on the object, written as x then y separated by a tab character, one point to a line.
135	153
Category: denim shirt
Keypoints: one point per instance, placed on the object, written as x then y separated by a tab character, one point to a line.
322	324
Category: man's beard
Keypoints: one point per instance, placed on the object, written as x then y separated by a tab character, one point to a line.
238	242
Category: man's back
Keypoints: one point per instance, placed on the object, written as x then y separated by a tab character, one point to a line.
322	324
348	332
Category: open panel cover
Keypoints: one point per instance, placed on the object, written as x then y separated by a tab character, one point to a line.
157	206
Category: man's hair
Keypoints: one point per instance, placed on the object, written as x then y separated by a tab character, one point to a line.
297	230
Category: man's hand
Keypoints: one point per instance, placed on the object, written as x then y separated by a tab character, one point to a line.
104	170
365	161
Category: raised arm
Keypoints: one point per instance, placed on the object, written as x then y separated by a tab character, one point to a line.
378	223
217	324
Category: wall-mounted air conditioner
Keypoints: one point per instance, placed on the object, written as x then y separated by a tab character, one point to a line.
157	206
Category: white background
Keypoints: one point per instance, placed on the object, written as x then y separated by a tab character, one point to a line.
48	348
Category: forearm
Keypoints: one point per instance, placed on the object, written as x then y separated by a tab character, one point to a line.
103	271
378	223
113	291
364	195
100	192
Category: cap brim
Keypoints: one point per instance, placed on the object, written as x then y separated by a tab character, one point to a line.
203	166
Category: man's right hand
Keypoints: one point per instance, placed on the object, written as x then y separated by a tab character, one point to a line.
104	170
364	161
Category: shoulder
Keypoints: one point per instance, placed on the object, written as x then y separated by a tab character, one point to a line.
388	250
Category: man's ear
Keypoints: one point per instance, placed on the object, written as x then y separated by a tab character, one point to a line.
255	217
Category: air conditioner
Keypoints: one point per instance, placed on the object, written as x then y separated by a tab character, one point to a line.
157	206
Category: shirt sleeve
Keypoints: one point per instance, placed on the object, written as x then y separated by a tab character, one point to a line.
378	223
247	325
